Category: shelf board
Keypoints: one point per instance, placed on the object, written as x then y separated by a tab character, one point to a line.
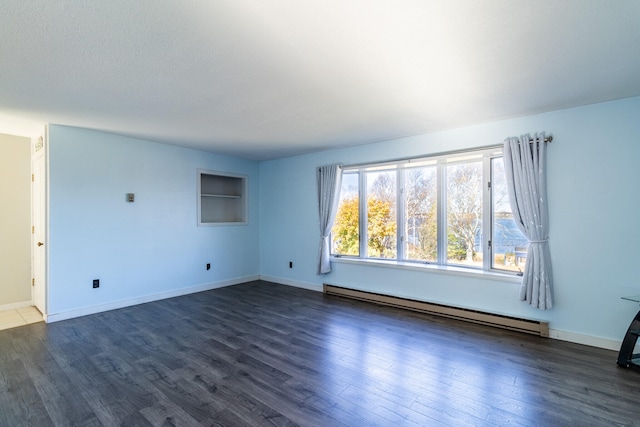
226	196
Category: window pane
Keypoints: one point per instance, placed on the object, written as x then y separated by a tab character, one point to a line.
346	228
464	214
509	245
421	223
381	214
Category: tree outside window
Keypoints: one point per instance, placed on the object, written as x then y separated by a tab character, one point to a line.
421	224
381	214
346	228
464	213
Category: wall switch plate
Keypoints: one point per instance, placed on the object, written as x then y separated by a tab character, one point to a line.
131	197
96	283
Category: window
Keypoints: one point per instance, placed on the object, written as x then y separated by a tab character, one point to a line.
346	229
464	212
381	214
445	210
420	233
510	245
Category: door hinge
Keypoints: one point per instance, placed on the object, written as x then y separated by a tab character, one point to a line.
33	229
33	282
489	185
489	244
33	179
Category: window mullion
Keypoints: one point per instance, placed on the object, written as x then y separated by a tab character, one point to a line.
442	213
487	213
362	183
400	214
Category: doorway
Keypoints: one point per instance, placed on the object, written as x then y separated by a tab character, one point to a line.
38	221
17	306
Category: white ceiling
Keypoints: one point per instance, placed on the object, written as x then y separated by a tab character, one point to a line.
263	79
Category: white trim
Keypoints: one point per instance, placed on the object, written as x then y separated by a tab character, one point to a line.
55	317
406	161
15	305
573	337
475	273
294	283
589	340
41	155
557	334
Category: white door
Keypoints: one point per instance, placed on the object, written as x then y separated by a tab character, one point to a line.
38	218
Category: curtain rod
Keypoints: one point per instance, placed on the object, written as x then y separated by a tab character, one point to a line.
546	139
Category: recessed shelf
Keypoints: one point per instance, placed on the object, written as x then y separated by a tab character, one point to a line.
222	198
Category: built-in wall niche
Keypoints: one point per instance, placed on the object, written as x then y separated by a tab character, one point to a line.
222	198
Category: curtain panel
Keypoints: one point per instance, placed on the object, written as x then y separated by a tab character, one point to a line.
329	183
525	167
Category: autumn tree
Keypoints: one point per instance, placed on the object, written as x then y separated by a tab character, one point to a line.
381	221
421	227
381	228
346	231
381	214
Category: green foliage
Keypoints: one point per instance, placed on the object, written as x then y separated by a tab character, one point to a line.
456	249
425	246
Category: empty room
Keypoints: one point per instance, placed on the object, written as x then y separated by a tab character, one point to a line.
330	213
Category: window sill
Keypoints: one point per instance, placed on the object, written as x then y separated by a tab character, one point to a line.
431	268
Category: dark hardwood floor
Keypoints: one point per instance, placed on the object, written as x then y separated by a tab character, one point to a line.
266	354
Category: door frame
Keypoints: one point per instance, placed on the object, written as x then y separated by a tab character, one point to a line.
40	220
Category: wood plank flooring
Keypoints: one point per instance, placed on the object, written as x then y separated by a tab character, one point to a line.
264	354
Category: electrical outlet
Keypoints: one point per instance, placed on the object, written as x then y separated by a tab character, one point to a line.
96	283
208	266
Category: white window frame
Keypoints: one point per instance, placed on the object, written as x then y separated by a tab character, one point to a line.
485	154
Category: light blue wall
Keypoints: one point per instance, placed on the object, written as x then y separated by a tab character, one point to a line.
148	247
594	200
153	246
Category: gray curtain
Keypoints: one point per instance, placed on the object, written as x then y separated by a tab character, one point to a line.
329	183
525	163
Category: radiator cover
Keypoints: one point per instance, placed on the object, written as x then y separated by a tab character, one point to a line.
529	326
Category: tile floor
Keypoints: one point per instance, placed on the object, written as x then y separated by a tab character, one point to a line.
19	317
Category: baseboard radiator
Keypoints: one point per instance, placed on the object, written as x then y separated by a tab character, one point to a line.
534	327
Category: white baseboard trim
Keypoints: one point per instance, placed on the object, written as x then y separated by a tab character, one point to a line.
557	334
56	317
573	337
589	340
15	305
294	283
